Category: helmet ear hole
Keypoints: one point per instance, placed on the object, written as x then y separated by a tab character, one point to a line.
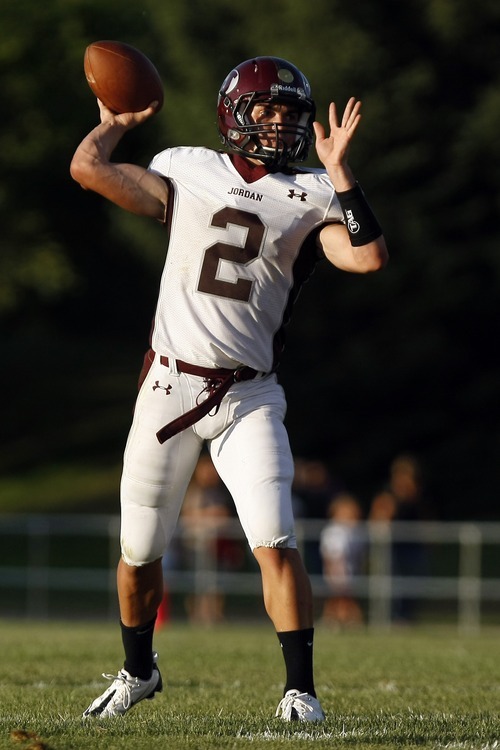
265	79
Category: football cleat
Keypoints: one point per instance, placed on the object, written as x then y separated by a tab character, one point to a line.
124	692
297	706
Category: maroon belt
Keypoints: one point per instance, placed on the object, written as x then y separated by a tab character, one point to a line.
217	383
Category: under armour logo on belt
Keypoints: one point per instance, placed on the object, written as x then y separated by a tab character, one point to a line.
167	389
293	194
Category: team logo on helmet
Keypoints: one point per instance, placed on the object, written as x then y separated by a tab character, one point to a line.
285	75
233	82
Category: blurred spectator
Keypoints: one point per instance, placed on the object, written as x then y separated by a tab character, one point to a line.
383	507
343	552
312	488
403	499
207	508
169	562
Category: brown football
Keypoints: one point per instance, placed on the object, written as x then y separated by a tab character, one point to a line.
122	77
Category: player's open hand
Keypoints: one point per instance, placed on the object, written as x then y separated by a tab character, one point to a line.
333	149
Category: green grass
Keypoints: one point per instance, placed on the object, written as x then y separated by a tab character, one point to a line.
412	688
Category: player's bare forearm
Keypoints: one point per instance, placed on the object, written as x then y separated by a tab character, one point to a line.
370	257
336	244
128	185
335	239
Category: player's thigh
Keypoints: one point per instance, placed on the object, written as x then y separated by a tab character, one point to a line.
162	468
150	509
254	459
155	477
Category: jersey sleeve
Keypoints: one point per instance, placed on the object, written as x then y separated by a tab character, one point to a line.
161	163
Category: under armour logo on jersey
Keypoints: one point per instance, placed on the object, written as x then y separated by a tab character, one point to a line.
293	194
167	389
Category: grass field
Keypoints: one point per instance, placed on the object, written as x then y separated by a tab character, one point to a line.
415	688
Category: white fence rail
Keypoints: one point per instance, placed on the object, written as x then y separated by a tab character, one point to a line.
74	556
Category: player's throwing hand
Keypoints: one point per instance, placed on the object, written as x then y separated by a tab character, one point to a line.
127	119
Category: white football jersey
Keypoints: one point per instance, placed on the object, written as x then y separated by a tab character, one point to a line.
238	254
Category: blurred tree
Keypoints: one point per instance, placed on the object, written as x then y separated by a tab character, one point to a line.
406	360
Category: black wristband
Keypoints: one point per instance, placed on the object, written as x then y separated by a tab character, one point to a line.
360	220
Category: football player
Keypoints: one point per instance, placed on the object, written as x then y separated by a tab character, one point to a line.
246	228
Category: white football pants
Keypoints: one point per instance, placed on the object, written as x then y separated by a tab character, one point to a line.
249	447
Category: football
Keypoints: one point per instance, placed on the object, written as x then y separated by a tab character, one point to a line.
122	77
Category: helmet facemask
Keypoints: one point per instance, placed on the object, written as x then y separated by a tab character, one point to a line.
291	140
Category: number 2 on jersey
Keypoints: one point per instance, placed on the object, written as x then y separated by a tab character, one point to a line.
235	254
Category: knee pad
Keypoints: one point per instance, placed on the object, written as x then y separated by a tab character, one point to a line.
142	537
